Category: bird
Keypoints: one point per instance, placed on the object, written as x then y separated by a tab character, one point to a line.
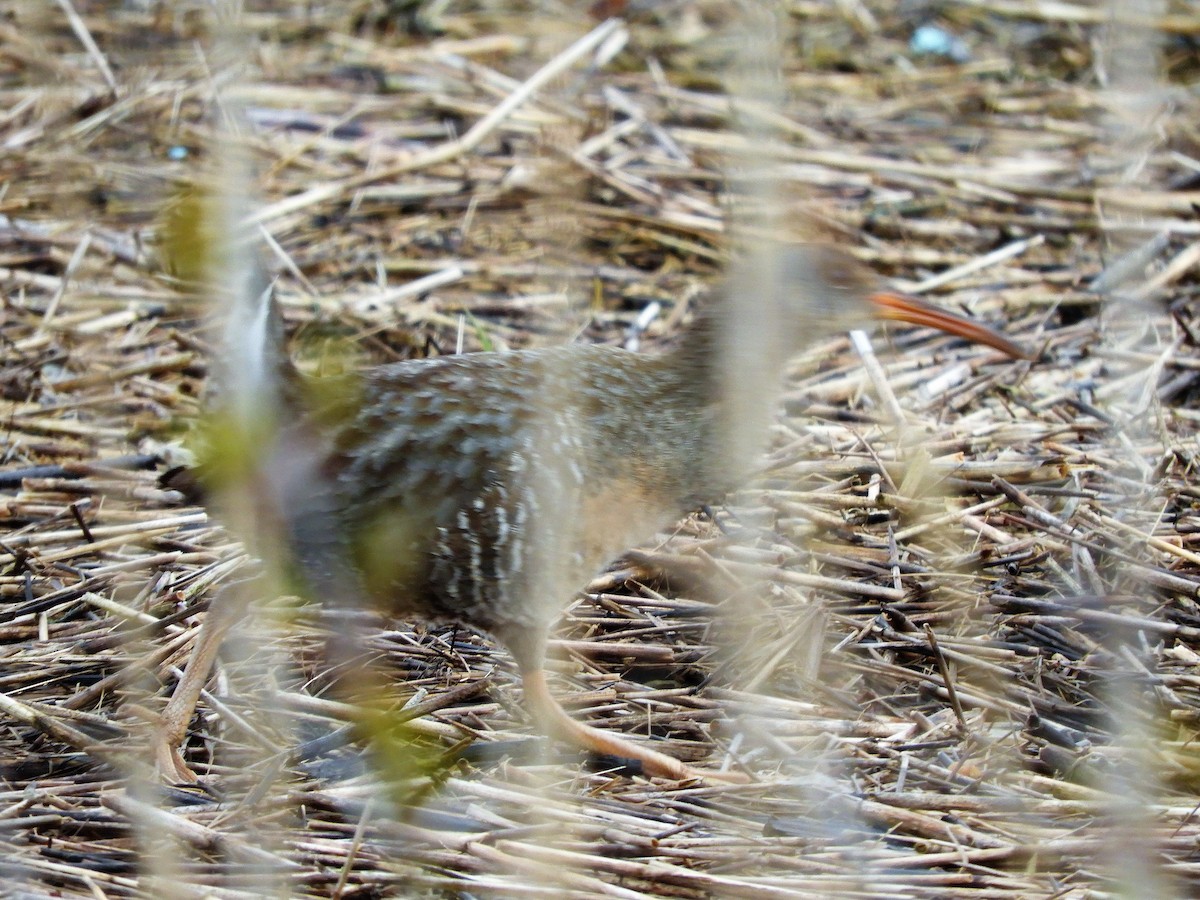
487	488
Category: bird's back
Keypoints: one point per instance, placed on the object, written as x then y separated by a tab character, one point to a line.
486	487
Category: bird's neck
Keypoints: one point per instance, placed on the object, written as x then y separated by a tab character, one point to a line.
727	372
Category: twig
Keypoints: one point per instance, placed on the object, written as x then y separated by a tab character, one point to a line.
85	37
451	149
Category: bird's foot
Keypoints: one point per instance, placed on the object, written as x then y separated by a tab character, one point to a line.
165	739
650	761
554	719
169	764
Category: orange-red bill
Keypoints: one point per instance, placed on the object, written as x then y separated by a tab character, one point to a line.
905	308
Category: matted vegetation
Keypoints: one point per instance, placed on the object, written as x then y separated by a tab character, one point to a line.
966	651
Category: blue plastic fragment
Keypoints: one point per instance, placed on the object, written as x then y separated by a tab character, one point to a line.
933	40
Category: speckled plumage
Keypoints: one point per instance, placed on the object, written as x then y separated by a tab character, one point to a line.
485	488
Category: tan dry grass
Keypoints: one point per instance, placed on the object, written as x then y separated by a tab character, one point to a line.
930	708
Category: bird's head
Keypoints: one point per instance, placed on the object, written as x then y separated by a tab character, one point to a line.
822	290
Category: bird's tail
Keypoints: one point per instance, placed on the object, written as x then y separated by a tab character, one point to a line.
255	379
253	387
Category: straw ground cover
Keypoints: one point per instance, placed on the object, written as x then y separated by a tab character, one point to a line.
971	658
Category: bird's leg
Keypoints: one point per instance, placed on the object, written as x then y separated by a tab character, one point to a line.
552	718
225	610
